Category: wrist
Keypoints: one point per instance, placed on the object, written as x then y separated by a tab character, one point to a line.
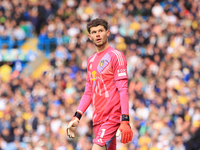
125	117
78	115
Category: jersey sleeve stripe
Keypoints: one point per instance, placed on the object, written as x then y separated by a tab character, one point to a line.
120	55
119	58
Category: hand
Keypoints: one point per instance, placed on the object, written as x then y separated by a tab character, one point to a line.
72	126
125	130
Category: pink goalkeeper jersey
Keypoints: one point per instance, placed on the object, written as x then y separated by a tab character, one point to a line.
106	85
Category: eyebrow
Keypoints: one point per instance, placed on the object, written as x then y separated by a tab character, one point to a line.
97	29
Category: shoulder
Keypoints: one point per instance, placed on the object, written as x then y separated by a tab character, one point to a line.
90	61
117	56
91	58
115	53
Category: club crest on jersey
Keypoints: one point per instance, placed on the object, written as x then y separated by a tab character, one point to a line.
101	63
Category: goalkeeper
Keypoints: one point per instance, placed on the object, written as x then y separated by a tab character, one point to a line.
107	90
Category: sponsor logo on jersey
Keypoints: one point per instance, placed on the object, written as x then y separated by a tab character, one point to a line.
101	63
95	75
121	72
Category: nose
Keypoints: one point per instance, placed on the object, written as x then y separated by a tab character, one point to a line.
98	33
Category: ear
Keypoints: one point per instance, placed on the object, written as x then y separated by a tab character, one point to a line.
89	36
108	33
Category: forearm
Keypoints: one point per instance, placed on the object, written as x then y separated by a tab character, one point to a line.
86	99
124	128
84	103
122	86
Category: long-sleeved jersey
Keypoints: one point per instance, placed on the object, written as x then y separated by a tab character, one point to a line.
106	86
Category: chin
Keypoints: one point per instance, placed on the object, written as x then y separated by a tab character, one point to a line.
99	44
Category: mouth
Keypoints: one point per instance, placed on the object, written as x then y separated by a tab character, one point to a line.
98	40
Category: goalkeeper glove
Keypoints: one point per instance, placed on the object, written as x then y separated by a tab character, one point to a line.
125	130
73	124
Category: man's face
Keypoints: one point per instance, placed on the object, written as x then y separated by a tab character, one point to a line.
98	35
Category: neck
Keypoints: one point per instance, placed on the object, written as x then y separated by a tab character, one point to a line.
102	47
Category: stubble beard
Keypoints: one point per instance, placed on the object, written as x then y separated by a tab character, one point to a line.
99	44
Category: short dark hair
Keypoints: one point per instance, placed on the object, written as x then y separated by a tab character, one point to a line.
96	22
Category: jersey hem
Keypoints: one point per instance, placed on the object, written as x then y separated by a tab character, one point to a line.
104	120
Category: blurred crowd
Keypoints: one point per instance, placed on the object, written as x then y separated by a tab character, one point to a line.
161	41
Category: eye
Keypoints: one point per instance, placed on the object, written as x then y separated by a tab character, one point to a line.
93	32
100	30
